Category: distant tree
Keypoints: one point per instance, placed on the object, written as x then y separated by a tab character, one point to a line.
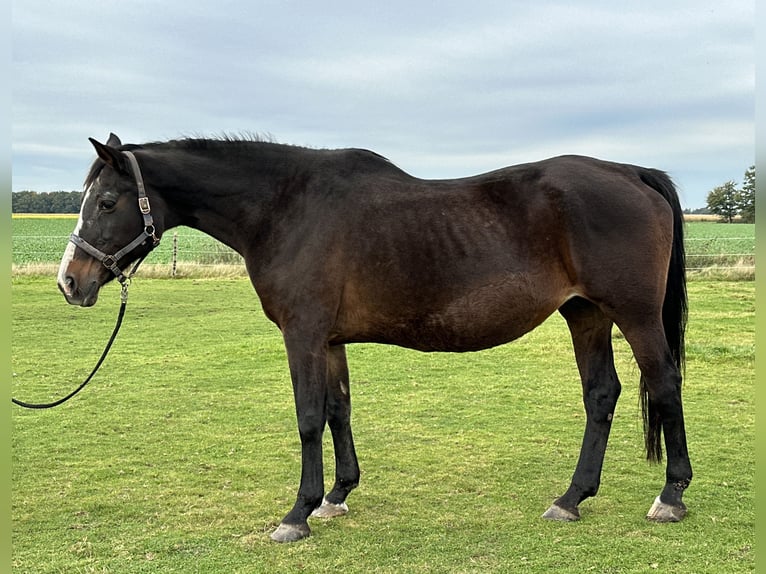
698	211
66	201
47	202
746	196
26	202
723	201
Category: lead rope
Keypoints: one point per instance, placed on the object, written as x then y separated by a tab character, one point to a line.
125	282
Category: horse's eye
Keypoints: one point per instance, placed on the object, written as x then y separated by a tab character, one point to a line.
106	204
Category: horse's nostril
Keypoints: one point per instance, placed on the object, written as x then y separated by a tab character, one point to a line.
68	284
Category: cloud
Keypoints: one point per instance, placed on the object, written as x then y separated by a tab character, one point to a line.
467	89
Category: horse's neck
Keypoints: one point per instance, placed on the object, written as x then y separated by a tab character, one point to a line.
228	202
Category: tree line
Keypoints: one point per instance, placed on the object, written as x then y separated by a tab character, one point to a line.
730	202
46	202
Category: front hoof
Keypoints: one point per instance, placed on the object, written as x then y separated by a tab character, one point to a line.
561	514
661	512
290	532
330	510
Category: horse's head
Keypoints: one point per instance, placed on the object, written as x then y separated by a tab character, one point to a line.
115	227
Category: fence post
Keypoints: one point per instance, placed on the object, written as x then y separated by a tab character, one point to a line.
175	254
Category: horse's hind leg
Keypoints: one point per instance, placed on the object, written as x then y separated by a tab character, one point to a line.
592	339
663	410
338	410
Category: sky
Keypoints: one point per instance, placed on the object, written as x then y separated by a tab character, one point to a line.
443	89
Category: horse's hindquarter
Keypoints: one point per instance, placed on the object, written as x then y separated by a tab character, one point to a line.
452	266
619	232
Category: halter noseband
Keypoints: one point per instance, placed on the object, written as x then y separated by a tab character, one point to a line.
149	232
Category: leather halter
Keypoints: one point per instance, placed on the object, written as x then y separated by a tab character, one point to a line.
149	232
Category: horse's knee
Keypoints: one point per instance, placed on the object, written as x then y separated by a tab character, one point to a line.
600	402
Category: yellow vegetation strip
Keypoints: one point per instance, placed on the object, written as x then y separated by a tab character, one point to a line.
44	216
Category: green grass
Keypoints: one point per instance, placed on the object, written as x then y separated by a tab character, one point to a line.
42	240
714	250
183	454
720	250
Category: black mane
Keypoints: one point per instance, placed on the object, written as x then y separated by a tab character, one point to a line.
229	142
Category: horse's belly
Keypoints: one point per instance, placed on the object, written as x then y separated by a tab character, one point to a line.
452	338
473	322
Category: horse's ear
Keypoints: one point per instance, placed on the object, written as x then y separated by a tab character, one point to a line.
113	141
109	155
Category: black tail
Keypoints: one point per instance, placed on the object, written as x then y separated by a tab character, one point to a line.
674	307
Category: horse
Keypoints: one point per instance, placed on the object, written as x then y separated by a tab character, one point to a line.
342	246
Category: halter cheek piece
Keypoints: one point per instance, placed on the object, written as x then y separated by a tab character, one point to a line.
149	232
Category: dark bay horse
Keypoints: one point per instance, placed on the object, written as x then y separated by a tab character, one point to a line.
342	246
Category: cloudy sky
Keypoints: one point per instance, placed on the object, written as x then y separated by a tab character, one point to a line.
443	89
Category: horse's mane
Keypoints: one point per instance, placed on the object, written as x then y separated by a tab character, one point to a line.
214	142
241	140
197	143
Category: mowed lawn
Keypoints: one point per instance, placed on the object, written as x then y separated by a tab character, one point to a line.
183	454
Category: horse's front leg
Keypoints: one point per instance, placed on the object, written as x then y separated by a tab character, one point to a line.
308	370
339	420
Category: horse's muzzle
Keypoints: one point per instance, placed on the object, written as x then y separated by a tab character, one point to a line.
84	295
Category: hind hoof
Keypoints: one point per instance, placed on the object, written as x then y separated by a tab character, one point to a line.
661	512
561	514
290	532
330	510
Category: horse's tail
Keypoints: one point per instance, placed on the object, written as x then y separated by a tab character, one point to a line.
674	307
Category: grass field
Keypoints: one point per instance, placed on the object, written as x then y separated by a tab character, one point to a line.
183	453
714	250
39	241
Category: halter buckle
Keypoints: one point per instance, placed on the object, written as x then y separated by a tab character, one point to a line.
143	205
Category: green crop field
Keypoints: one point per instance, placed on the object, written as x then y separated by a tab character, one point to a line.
39	241
183	453
714	250
715	247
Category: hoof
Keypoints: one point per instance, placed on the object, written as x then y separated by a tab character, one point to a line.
561	514
290	532
330	510
661	512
